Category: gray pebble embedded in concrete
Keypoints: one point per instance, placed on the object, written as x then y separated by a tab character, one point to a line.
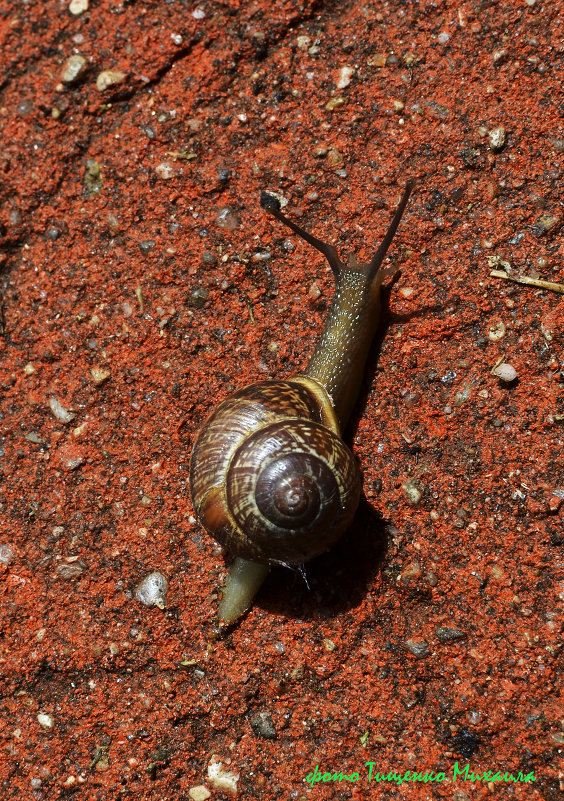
445	634
262	726
418	648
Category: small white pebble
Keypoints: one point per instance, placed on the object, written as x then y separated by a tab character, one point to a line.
6	554
73	68
505	372
109	78
62	414
152	590
443	38
29	369
198	13
199	793
497	331
46	721
99	375
547	330
412	492
499	56
262	255
222	779
345	76
78	7
497	137
80	429
165	170
73	463
314	291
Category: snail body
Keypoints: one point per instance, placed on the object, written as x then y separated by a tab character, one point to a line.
271	478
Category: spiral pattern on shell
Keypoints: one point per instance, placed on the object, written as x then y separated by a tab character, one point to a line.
271	478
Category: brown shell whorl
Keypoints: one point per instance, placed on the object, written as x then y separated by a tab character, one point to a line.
273	482
286	490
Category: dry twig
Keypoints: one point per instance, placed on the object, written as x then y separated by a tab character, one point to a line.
526	279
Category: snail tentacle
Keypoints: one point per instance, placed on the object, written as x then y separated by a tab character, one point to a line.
271	204
380	255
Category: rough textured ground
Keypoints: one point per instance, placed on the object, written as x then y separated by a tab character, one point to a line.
432	633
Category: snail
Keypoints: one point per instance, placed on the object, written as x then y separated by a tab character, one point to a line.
270	476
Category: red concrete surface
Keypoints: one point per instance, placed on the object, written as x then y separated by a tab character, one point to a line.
432	633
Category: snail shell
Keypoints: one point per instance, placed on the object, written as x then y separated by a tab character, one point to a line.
271	477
